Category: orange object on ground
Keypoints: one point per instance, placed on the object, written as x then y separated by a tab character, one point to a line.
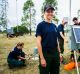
69	66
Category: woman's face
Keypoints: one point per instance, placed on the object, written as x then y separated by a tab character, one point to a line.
49	14
75	21
20	47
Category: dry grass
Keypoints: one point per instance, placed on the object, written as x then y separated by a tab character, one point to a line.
6	46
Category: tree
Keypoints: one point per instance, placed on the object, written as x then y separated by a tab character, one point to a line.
21	30
3	23
55	19
29	14
51	2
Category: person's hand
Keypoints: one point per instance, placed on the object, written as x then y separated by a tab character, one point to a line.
19	59
24	58
61	57
65	40
43	62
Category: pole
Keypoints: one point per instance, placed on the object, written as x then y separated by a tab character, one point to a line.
78	14
16	16
76	62
6	15
30	20
70	12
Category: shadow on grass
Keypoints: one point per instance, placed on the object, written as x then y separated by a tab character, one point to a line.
31	68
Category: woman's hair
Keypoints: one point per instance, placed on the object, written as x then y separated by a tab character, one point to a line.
79	23
75	18
20	44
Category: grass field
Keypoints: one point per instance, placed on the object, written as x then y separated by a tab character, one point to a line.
6	46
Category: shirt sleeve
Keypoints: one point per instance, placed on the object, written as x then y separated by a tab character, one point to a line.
39	30
60	29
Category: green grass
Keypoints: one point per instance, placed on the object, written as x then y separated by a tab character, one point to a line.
6	46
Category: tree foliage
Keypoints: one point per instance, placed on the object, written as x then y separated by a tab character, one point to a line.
29	14
51	2
21	30
3	23
27	5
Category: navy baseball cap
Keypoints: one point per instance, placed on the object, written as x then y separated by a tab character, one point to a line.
48	7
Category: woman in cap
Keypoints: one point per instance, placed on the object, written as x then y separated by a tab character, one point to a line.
46	33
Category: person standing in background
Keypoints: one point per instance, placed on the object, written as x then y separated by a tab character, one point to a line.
74	45
61	36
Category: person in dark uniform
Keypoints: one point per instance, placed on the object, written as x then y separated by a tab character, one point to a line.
61	34
46	33
61	37
16	58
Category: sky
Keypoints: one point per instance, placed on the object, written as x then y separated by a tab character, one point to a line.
63	10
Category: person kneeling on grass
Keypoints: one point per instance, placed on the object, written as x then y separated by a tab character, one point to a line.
16	58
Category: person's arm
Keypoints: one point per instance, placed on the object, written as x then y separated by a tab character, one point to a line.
58	46
59	50
60	32
22	58
39	34
39	47
62	35
42	59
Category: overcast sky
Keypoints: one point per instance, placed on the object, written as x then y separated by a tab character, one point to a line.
63	9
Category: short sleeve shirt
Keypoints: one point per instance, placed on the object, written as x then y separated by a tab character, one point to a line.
60	29
48	33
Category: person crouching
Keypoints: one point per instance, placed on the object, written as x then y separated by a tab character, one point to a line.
16	58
